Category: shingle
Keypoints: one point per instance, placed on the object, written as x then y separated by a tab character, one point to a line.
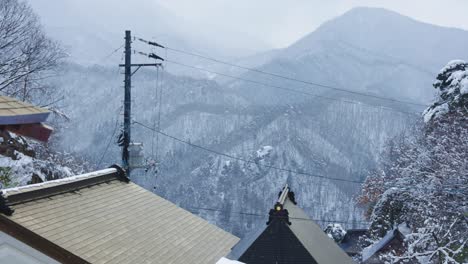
118	222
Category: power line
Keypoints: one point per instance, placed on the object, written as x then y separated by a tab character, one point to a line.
161	86
112	53
154	110
110	139
287	89
294	79
242	159
265	215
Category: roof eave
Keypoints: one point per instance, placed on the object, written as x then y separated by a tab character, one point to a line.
38	242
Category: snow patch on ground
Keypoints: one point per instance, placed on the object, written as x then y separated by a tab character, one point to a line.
21	169
24	167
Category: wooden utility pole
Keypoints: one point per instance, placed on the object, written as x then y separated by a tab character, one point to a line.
126	140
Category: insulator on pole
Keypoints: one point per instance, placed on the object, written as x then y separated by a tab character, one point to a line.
152	43
154	56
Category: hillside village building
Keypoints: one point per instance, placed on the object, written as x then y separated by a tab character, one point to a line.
24	119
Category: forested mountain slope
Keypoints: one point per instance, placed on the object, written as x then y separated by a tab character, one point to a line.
337	138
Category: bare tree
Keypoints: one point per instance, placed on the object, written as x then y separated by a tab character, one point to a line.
27	56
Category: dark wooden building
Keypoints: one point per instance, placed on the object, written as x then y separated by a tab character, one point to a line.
289	236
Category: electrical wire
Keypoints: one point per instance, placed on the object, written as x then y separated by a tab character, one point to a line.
154	110
245	160
288	89
281	76
266	215
161	85
110	139
112	53
293	79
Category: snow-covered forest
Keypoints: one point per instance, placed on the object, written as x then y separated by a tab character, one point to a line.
395	149
422	178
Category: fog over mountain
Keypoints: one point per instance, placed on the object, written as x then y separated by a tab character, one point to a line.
90	29
369	50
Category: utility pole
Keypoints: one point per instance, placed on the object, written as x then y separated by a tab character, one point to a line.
126	139
127	100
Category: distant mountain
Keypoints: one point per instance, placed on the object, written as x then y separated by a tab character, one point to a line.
383	32
337	138
370	50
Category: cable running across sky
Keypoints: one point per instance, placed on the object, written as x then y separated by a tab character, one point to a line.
244	160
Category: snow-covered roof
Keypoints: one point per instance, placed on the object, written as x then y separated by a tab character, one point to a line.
369	251
374	248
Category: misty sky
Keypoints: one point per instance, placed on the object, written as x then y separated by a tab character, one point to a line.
292	19
275	23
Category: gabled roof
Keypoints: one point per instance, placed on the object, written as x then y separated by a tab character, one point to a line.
299	241
101	217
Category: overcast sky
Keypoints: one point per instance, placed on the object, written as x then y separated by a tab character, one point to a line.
276	23
281	22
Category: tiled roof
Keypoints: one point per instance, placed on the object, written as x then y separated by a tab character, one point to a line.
109	220
13	112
